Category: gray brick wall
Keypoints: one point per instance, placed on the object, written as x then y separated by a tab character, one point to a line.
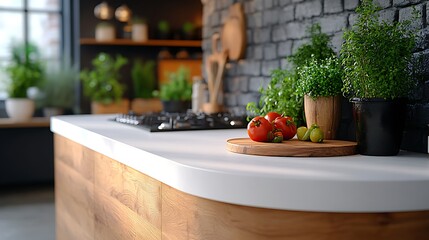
276	28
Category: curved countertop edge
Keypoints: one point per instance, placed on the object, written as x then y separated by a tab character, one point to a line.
257	191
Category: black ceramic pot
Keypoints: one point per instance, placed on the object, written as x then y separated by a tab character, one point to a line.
176	106
379	125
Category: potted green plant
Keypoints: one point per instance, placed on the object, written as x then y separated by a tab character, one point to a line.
188	30
320	82
139	30
144	83
102	84
105	31
376	57
163	29
281	95
25	71
58	89
176	95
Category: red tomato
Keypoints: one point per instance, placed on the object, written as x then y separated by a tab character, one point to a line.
286	125
260	130
271	116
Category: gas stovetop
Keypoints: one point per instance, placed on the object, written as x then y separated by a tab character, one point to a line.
161	122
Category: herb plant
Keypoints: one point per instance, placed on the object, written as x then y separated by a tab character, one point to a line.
58	87
102	83
25	70
143	76
178	88
376	56
280	96
320	78
318	48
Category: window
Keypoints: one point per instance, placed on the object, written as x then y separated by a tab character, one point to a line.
35	21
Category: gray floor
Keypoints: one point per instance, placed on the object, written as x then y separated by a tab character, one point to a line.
27	213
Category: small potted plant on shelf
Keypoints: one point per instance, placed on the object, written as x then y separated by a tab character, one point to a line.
176	95
105	31
25	71
188	31
163	29
320	82
102	84
58	90
139	30
144	82
376	57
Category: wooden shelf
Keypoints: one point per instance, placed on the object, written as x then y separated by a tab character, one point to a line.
151	42
34	122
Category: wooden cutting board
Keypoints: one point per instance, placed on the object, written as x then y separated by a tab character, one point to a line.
292	148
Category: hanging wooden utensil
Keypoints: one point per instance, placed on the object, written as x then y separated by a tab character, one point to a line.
234	33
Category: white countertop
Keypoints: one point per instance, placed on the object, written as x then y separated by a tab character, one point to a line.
197	162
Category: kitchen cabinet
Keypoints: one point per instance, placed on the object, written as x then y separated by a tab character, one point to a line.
120	182
26	152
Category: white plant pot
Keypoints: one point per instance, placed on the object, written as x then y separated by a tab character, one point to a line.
139	32
105	33
20	109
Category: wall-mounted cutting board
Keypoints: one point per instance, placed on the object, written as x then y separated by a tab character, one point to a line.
292	148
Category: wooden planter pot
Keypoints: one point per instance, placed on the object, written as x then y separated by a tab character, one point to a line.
116	107
141	105
326	112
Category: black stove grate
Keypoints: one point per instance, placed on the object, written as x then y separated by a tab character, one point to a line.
161	122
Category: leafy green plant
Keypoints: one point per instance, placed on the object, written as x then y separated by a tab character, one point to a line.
163	26
25	70
376	56
102	84
58	87
138	20
178	88
318	47
188	27
143	76
280	96
320	78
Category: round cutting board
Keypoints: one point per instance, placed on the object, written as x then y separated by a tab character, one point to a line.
292	148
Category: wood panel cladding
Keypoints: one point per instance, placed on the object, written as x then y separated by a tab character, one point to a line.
100	198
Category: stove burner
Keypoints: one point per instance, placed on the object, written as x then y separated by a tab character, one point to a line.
159	122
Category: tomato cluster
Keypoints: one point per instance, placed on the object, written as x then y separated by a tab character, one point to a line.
273	127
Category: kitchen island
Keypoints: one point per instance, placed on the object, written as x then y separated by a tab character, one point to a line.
114	181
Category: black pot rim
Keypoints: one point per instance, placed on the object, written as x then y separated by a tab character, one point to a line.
356	100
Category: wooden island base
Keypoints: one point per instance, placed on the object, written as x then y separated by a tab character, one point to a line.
99	198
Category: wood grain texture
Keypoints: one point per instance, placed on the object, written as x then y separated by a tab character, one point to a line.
99	198
33	122
292	148
325	112
74	191
120	189
189	217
